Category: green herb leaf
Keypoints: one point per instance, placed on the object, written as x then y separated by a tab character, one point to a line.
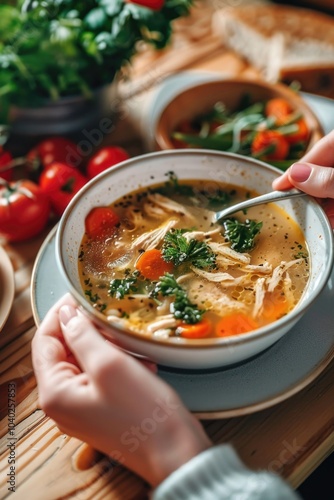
302	255
118	288
217	198
241	235
172	187
92	297
181	308
177	249
96	18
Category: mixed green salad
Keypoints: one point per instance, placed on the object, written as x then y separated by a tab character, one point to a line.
269	130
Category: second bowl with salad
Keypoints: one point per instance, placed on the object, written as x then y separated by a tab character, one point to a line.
269	122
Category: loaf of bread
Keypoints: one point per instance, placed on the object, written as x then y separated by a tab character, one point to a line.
286	43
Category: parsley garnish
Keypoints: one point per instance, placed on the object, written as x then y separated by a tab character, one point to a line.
217	198
92	297
118	288
241	235
301	255
178	250
102	307
172	187
181	308
95	298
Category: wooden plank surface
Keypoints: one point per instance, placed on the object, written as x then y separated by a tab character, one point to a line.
291	438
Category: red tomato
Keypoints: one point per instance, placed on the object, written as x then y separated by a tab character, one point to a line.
24	210
54	149
60	183
105	158
150	4
5	159
101	221
273	144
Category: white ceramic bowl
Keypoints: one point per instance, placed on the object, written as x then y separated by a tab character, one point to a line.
193	164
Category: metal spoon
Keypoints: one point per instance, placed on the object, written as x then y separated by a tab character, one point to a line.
258	200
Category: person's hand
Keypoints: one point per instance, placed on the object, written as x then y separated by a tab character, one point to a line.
314	174
96	392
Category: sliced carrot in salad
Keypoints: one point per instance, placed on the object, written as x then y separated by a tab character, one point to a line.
278	108
270	145
234	324
151	264
302	133
100	221
198	330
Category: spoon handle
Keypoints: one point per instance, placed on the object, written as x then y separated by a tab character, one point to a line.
258	200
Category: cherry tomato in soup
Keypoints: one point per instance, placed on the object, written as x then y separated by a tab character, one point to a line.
60	183
5	159
104	158
24	210
270	145
150	4
100	222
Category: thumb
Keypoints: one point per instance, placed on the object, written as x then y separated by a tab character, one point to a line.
313	179
91	350
85	342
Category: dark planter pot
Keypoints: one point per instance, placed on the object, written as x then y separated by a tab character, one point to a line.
66	116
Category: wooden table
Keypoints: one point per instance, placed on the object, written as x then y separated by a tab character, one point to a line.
291	438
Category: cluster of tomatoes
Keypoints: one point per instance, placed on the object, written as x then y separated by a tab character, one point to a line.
53	172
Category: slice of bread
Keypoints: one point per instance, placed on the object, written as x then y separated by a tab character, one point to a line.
285	43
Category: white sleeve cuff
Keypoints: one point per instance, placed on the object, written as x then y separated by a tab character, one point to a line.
218	473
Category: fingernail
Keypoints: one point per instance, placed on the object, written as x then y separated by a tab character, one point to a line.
300	172
66	313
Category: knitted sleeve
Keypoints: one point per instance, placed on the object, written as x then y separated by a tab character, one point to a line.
219	474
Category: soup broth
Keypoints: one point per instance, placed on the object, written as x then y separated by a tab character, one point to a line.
154	262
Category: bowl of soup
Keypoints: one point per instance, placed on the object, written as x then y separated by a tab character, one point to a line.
270	122
138	250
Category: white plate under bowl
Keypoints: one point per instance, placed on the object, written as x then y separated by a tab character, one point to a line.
273	376
7	286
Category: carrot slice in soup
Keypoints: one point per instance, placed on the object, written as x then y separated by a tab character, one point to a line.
234	324
151	264
100	221
197	331
274	307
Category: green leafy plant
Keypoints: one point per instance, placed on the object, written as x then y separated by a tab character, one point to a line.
55	48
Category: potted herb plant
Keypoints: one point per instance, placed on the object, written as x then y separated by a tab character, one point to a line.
60	59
